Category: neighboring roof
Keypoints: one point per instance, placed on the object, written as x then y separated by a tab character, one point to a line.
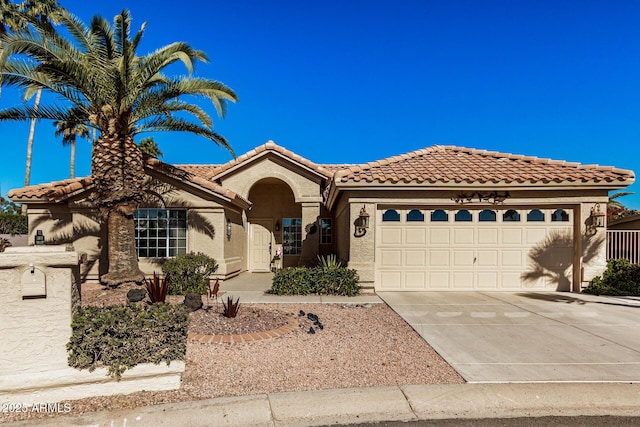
624	220
270	147
61	190
449	164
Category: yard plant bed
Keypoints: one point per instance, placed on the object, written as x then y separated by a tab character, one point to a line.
356	347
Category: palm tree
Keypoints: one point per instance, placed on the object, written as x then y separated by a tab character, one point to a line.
9	20
70	129
96	69
149	146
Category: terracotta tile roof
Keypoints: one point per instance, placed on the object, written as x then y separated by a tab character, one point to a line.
448	164
61	190
203	171
52	191
272	146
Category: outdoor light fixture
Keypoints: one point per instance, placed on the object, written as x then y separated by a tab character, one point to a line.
39	240
362	223
278	225
597	216
228	229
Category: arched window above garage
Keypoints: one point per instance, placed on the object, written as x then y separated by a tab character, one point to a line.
439	216
535	215
559	215
512	216
487	215
414	215
391	215
463	216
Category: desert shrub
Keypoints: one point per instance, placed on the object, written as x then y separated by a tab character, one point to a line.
316	280
120	337
189	273
620	278
329	262
13	224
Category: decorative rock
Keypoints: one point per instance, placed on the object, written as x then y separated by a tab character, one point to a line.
135	295
193	301
367	305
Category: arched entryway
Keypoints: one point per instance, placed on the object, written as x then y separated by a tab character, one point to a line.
275	226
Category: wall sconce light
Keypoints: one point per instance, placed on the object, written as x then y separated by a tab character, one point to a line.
278	225
362	223
597	216
228	229
39	239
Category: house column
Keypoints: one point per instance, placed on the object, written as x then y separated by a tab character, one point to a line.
362	248
591	243
310	233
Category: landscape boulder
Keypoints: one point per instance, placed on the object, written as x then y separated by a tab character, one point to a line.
193	301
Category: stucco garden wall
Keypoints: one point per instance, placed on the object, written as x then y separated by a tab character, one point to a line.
39	288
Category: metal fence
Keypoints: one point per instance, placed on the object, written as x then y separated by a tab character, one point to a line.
624	244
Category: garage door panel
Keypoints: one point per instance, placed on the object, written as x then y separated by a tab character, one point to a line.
439	236
535	235
415	236
438	279
415	257
439	258
462	280
463	236
390	280
512	236
416	280
391	258
487	280
487	258
463	258
488	236
512	258
391	236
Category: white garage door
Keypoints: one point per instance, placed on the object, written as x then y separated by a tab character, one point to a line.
467	249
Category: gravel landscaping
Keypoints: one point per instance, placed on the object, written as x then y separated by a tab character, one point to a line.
351	346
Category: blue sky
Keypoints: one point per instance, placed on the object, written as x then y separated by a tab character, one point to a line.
353	81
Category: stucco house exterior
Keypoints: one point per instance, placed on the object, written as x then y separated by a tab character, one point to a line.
440	218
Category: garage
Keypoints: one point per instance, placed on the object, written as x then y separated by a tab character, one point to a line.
506	248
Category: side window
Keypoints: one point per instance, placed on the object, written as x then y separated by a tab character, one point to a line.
487	215
415	215
292	236
512	216
463	216
391	215
535	215
559	216
439	216
325	231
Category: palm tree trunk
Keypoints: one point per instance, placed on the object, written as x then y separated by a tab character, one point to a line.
123	260
118	175
32	133
72	160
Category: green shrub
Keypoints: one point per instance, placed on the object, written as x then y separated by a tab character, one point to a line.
292	281
316	280
13	224
189	273
620	278
120	337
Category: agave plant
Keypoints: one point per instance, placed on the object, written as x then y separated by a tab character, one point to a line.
231	308
157	289
4	243
329	262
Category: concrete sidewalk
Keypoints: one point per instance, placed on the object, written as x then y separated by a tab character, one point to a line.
359	405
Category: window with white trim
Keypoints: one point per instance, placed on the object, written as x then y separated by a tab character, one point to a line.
160	233
325	231
292	236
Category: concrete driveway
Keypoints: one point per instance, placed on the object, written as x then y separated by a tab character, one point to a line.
528	336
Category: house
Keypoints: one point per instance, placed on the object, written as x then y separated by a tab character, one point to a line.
440	218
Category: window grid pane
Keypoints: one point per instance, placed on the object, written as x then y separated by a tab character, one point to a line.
160	233
325	231
292	236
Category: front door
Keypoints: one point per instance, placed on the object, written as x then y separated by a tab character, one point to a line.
260	244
